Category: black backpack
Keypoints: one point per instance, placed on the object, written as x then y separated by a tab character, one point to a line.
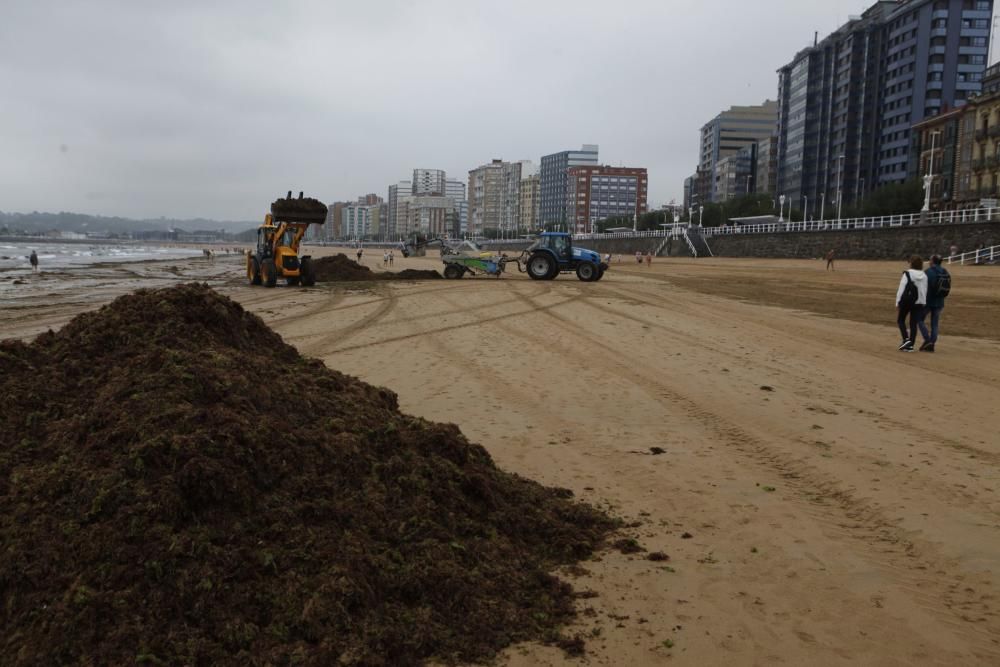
910	293
942	288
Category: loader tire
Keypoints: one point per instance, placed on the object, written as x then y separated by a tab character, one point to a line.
453	272
269	273
307	271
254	271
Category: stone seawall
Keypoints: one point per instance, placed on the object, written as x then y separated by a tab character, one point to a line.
891	243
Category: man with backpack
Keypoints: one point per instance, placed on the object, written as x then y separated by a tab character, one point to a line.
938	289
911	297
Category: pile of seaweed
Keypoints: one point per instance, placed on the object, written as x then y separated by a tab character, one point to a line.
303	209
341	268
179	486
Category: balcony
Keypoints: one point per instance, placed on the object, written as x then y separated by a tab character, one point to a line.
994	131
977	164
980	134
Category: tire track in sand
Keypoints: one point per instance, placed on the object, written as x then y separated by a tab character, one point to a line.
971	614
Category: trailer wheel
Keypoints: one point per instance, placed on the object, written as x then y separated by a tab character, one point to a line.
542	267
269	273
308	271
453	272
254	270
587	272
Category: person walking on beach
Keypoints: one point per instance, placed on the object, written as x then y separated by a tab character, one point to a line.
360	252
34	261
607	260
911	297
938	289
385	259
638	257
390	257
649	259
830	256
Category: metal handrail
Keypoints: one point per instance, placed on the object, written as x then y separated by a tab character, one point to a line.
991	254
931	218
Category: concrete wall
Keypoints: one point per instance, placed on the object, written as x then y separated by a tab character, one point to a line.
892	243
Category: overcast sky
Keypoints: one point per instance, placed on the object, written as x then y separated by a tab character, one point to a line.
213	109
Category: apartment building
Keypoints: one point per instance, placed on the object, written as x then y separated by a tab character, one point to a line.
726	135
554	183
847	104
596	193
530	186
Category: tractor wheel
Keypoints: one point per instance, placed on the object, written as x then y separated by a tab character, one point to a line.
254	271
600	274
269	273
308	272
542	267
587	272
453	272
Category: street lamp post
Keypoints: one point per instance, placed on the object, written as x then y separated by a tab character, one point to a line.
929	178
840	183
691	215
701	215
781	208
805	215
822	205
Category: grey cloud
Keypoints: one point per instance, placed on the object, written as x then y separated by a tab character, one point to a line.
211	109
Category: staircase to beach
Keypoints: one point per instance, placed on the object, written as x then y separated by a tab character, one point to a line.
696	242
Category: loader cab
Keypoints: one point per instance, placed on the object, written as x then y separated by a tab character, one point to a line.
265	240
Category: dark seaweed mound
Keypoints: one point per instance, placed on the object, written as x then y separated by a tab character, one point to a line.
178	486
341	268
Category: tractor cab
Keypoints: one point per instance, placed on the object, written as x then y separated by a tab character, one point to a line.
560	243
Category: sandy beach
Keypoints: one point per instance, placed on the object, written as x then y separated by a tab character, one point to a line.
823	498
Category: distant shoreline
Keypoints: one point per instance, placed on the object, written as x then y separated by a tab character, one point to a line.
47	239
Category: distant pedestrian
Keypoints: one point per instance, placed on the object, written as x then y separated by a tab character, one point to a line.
638	257
360	252
953	250
34	261
385	259
830	256
391	257
938	289
649	259
911	298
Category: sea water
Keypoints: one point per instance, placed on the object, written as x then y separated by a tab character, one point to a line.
52	256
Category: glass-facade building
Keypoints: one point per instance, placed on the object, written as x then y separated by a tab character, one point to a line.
847	104
553	188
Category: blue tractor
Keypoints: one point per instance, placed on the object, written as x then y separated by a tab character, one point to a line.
553	253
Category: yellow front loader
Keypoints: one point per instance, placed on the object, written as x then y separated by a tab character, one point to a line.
277	252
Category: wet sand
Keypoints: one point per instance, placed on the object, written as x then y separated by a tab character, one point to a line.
823	498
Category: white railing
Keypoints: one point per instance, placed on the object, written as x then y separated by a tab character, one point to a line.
880	222
690	244
980	256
